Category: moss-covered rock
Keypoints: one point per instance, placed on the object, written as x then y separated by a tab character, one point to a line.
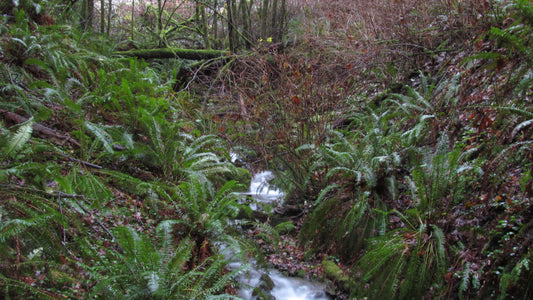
264	289
334	273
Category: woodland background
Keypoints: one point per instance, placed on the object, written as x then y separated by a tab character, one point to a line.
400	130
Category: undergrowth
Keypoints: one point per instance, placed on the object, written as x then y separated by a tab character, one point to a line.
400	131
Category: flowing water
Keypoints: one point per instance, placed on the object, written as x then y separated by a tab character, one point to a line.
271	281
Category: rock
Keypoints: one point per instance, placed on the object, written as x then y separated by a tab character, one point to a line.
289	210
264	289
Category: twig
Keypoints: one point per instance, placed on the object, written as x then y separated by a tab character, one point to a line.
75	197
88	164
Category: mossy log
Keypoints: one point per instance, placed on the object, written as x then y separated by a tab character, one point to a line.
193	54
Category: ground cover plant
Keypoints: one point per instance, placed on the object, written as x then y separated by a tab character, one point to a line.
400	132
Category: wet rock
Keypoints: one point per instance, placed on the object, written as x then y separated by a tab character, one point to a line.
264	289
289	210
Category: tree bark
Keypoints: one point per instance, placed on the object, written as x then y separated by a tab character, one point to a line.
231	24
110	6
193	54
102	16
88	14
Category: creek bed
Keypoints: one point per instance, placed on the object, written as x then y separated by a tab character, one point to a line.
271	284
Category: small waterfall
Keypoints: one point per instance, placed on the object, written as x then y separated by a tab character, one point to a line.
271	282
263	192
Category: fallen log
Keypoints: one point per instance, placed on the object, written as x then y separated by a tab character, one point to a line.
42	131
192	54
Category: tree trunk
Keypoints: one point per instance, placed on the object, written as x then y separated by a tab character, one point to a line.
133	20
205	26
274	25
159	23
102	16
215	24
231	24
264	19
87	14
110	4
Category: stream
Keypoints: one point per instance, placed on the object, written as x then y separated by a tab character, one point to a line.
270	283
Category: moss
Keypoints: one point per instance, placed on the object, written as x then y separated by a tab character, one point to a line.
243	176
194	54
337	275
285	227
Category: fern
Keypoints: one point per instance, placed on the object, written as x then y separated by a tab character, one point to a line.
14	227
470	283
158	272
82	182
180	155
403	264
441	173
208	210
20	138
520	272
127	182
101	135
518	112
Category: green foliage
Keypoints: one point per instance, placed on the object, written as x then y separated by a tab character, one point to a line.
298	178
442	173
148	270
517	37
520	275
347	222
513	42
61	204
34	240
20	138
179	154
208	211
403	264
285	227
469	281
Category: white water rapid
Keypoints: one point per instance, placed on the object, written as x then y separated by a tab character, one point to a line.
271	282
262	192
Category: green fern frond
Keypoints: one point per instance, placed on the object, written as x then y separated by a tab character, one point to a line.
14	227
100	133
325	192
414	135
22	288
127	182
88	185
516	110
403	264
381	251
348	171
440	240
180	256
20	138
